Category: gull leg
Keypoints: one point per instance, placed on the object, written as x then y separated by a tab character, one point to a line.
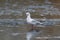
35	28
31	28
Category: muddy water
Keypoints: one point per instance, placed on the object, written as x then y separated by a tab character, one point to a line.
12	18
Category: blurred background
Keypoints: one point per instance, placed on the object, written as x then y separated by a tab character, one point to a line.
12	18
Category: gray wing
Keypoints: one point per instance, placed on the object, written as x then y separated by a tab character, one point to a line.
36	22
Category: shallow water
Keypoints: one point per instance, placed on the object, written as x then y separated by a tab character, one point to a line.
12	18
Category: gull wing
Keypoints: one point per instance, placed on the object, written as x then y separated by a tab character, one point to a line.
36	22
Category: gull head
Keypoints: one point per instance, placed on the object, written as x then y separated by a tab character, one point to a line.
27	14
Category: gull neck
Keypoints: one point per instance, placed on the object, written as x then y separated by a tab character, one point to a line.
29	17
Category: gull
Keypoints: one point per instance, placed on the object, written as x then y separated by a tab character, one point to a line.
33	22
30	20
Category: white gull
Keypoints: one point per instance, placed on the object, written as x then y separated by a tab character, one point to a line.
30	20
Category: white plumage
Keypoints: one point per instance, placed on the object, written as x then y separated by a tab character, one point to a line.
30	20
